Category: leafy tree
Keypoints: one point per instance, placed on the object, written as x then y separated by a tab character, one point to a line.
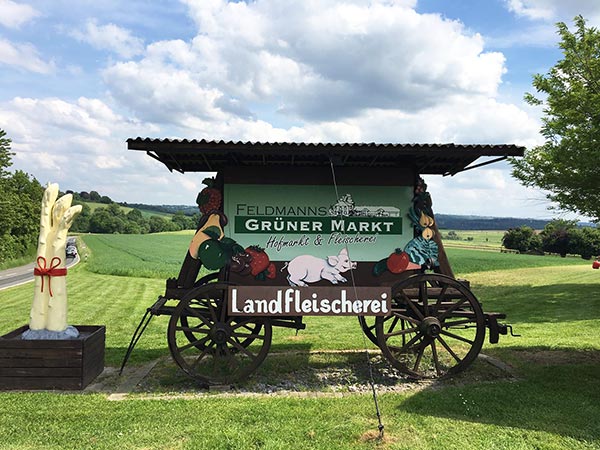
584	242
81	224
94	196
453	235
108	220
556	236
20	199
568	163
524	239
183	222
105	199
135	216
5	154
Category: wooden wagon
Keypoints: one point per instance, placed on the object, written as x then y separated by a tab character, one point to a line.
295	229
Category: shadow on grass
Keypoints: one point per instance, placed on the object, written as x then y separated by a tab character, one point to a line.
113	356
304	371
556	392
548	303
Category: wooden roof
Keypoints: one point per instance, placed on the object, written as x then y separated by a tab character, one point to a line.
211	156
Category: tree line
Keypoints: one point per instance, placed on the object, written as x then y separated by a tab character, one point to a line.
20	205
559	236
114	219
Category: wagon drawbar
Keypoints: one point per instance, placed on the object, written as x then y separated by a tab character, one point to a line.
295	229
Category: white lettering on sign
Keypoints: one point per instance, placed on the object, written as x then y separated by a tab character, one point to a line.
318	301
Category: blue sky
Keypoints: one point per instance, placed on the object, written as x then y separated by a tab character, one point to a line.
79	78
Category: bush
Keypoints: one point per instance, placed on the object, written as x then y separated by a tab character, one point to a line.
524	239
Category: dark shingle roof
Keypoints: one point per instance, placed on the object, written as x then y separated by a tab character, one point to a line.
208	156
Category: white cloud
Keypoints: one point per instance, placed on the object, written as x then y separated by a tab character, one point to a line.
81	145
168	95
88	116
23	56
279	70
110	37
556	10
15	15
317	60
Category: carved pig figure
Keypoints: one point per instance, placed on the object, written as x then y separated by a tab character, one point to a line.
310	269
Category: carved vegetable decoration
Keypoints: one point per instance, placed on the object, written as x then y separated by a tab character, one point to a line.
422	251
260	261
49	306
209	199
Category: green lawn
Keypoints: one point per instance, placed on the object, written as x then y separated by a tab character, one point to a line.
553	403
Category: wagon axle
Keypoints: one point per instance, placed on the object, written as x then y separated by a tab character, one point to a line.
431	327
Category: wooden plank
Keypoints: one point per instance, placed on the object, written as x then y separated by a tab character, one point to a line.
40	353
73	372
37	383
39	362
40	344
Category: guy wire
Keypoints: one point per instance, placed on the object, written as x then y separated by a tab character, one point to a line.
380	426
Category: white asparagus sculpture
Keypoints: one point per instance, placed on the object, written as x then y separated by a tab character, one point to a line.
49	306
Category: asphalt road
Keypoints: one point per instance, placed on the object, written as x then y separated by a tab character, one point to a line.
24	274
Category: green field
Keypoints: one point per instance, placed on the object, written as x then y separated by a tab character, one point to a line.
482	239
551	402
157	255
145	212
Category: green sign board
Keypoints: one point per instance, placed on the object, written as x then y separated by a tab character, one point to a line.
293	220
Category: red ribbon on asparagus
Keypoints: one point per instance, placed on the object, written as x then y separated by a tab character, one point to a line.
53	271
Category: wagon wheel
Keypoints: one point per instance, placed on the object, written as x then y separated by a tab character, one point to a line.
217	354
189	333
436	327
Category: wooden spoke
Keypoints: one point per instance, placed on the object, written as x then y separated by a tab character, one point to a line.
192	329
248	336
242	324
454	307
423	297
189	345
410	303
401	332
242	349
393	325
441	298
202	355
406	346
436	360
420	352
407	318
456	336
199	315
448	349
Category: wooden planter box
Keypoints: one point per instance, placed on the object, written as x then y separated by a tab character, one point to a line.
51	364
